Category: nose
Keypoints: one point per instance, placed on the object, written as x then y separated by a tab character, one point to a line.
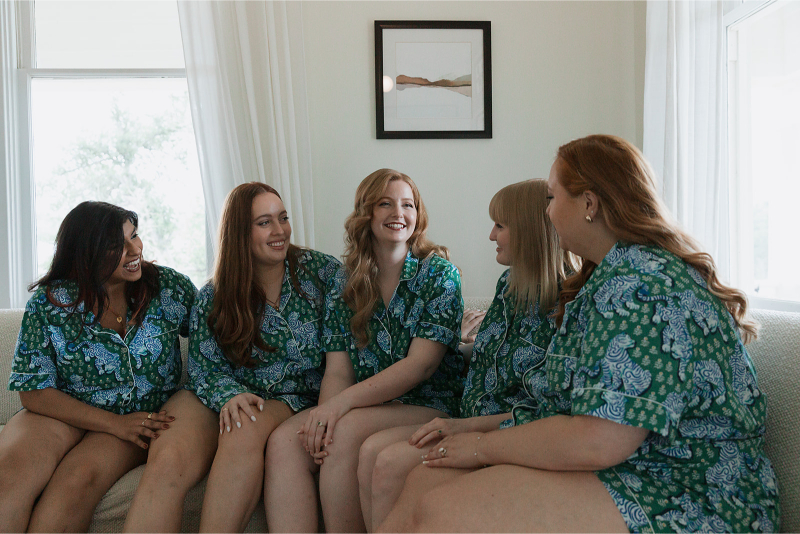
493	234
132	248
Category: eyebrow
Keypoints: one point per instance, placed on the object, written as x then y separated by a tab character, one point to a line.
269	215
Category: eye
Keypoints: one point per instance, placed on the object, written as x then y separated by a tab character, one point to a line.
408	205
549	197
285	218
383	203
263	223
498	226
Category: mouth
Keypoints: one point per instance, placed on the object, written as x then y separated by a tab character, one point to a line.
395	226
277	244
133	266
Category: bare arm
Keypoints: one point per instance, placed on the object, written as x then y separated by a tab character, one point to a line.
53	403
339	375
558	443
441	427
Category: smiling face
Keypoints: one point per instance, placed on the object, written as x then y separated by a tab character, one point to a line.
566	213
270	232
129	268
394	217
501	235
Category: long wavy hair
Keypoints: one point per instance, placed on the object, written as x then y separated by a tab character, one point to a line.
89	247
624	182
239	300
538	264
361	293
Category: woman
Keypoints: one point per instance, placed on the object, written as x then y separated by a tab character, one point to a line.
511	343
97	356
651	418
255	357
392	327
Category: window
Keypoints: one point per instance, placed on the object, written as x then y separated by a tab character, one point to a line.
763	44
103	88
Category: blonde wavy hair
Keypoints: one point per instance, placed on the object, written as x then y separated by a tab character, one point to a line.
538	263
620	176
361	293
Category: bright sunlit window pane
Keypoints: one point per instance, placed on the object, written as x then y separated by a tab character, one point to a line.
124	141
107	34
764	119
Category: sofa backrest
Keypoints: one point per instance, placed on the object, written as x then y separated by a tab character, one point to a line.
776	355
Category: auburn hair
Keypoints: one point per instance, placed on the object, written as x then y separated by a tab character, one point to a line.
623	180
361	292
538	264
239	300
89	246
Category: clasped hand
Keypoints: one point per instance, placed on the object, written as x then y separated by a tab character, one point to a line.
133	426
319	426
230	414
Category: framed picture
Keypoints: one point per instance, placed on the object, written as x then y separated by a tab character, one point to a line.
433	79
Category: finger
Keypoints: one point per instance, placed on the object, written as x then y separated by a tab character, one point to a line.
329	431
428	438
146	432
318	436
248	411
226	418
236	418
161	417
255	400
221	424
438	462
138	441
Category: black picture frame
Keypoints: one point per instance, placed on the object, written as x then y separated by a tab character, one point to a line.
419	107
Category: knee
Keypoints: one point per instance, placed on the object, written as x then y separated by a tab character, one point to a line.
174	461
282	445
77	480
386	473
367	456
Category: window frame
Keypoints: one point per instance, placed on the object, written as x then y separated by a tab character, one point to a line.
741	227
20	261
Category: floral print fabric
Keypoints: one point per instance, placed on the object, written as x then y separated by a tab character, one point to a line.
292	374
646	344
426	304
58	347
509	344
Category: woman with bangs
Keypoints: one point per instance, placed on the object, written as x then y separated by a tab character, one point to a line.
255	360
392	328
651	419
509	349
97	356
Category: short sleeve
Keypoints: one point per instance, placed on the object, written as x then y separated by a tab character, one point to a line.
443	308
34	364
210	374
336	323
633	367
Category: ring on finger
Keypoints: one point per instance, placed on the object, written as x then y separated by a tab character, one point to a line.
143	422
443	451
224	409
150	415
320	423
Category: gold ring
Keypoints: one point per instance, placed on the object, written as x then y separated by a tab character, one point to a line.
224	409
320	423
150	415
143	422
443	451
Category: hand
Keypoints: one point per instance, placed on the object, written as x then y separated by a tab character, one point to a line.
471	319
319	425
459	451
133	426
437	429
244	402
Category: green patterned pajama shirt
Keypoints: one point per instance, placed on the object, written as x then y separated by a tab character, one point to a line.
426	304
293	373
59	347
646	344
510	344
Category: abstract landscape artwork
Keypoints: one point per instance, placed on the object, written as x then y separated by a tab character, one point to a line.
433	79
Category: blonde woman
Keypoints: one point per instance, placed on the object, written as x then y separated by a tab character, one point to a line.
391	331
651	419
511	343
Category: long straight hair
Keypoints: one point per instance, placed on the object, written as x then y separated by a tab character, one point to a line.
89	247
239	300
624	182
537	261
361	292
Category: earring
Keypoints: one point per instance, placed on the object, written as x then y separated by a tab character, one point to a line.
589	218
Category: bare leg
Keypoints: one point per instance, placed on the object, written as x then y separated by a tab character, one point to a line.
290	492
506	498
237	474
82	478
176	462
391	467
338	478
31	447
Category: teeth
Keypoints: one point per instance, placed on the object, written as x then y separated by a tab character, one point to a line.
132	265
396	226
277	244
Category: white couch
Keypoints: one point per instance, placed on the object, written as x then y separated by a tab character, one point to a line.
776	355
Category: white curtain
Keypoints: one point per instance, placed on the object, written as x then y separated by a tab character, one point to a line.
246	71
684	117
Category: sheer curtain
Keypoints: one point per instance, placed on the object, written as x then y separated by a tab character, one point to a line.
685	117
246	72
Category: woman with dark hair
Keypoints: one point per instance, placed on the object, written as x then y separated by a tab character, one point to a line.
392	327
255	357
96	358
650	419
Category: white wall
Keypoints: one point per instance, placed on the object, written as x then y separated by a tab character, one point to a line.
560	70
